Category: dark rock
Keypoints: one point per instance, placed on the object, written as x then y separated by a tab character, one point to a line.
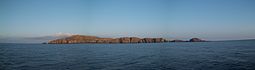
158	40
148	40
196	40
124	40
134	40
178	41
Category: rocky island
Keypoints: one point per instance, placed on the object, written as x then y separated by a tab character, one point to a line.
82	39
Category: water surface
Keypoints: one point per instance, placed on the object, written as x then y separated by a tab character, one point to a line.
232	55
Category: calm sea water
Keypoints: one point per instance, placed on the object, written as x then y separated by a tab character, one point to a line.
232	55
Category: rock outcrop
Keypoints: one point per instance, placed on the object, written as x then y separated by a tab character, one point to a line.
196	40
75	39
178	41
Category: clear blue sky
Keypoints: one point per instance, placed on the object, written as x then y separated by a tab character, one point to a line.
178	19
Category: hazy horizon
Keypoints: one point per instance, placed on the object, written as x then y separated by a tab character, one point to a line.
32	20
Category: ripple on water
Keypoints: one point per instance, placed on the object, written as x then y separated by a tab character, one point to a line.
163	56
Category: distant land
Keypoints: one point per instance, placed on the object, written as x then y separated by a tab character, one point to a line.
83	39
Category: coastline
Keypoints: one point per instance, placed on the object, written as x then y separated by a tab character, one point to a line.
83	39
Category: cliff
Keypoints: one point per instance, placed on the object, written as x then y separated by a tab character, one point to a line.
82	39
75	39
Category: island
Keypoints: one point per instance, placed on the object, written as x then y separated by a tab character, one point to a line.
83	39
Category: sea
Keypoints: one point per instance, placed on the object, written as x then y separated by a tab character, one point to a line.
221	55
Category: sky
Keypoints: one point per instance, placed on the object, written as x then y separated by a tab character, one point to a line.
174	19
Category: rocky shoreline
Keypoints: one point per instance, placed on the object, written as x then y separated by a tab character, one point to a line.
82	39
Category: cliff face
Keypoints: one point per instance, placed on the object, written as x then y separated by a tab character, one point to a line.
93	39
81	39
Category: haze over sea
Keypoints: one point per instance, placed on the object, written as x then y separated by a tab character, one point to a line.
224	55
